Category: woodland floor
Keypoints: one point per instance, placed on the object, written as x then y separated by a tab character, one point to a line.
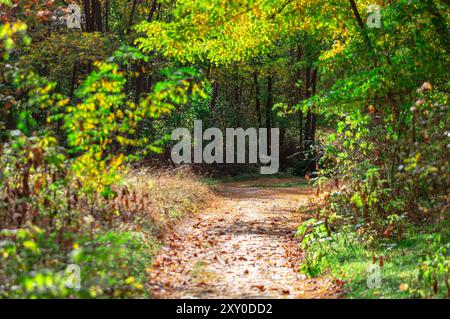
243	246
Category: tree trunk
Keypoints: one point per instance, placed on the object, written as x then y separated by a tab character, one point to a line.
158	11
133	10
236	97
107	16
97	15
149	83
363	30
300	128
310	128
269	108
257	99
140	82
298	94
282	136
152	11
314	116
357	15
310	125
308	115
10	122
88	15
93	15
73	81
214	96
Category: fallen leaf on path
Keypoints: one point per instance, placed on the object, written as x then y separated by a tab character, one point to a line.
260	287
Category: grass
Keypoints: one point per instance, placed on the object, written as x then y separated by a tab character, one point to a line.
113	242
249	177
165	199
399	270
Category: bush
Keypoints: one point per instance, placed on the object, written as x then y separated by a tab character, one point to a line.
50	227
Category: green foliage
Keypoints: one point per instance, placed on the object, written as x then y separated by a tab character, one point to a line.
21	253
62	196
78	106
10	35
435	267
112	264
105	122
206	30
59	55
401	179
409	268
93	125
313	236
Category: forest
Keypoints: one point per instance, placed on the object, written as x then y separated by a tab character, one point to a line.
348	101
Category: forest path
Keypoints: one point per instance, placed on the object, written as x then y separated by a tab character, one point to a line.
242	247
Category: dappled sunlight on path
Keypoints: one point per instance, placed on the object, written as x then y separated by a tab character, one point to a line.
242	247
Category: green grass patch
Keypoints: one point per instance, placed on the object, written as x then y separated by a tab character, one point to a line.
248	177
399	269
416	267
398	273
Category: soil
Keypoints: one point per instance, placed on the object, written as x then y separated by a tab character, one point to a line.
242	247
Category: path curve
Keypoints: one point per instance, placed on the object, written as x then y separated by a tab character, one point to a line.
242	247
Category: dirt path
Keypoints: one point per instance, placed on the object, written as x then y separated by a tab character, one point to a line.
243	247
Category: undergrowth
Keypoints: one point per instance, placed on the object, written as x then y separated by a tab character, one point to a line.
94	248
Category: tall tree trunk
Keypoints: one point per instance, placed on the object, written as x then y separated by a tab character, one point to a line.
310	125
93	15
10	121
314	116
308	115
269	105
363	30
106	15
151	16
237	98
140	82
308	129
88	15
357	15
300	128
73	81
97	14
133	10
282	136
298	94
152	11
158	11
257	99
214	96
149	83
